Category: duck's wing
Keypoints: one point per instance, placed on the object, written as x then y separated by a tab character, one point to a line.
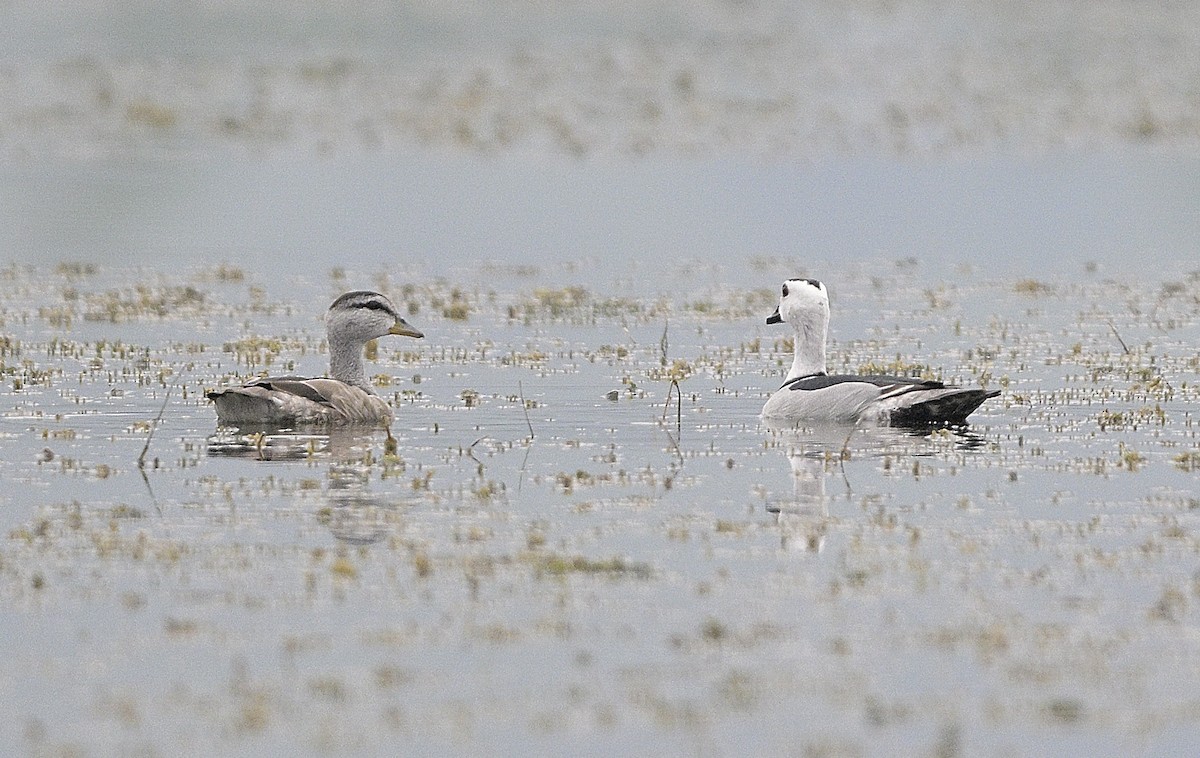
291	400
887	384
905	401
272	401
308	389
950	405
348	403
898	400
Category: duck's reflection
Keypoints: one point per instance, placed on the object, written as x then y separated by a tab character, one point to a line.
803	520
819	454
355	513
275	444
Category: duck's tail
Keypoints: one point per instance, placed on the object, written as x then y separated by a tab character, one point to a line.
952	407
243	404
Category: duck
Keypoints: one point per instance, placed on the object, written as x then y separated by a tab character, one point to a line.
811	394
345	396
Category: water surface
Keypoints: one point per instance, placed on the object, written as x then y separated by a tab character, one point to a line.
586	542
640	572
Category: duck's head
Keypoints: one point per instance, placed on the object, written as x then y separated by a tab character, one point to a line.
362	315
803	302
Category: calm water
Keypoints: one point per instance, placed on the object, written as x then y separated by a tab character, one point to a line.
621	581
578	207
655	226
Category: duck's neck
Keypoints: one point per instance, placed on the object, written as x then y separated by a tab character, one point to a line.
346	363
810	350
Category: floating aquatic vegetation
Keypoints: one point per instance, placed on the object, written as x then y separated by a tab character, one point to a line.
561	565
143	301
1189	461
610	532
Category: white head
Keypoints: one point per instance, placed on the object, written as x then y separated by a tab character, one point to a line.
361	316
803	300
804	304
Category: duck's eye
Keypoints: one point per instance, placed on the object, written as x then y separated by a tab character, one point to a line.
785	289
375	305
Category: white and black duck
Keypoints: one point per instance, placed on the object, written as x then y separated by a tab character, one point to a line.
811	394
345	396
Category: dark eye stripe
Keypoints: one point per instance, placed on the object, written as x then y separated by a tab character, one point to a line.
364	299
814	283
785	290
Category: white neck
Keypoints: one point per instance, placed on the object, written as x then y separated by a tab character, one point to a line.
346	363
810	349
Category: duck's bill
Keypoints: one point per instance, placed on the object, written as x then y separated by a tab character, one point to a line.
404	330
775	318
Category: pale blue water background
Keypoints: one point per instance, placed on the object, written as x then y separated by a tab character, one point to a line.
1024	589
618	584
443	215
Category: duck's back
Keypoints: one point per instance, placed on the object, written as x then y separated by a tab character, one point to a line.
290	400
848	398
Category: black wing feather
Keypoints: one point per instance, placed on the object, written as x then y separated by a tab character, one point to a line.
948	409
821	381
